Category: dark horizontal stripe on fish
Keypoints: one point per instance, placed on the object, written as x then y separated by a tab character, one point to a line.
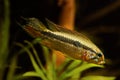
67	40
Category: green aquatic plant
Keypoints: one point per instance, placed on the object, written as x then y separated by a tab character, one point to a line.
69	70
4	35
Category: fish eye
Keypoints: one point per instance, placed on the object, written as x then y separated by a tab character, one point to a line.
99	54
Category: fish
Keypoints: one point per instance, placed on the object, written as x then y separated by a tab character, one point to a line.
71	43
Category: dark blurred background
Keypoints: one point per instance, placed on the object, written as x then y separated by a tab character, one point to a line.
99	18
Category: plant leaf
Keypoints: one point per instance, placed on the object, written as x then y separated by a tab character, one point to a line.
36	67
98	78
31	73
77	70
36	55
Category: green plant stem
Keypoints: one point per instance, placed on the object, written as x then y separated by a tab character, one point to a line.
4	37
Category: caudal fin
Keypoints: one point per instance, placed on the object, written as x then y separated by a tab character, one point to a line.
32	25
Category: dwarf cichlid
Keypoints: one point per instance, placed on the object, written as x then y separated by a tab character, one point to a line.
71	43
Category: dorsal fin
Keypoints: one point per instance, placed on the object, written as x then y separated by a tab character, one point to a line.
54	27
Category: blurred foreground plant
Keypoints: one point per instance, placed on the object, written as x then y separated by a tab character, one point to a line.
69	70
4	35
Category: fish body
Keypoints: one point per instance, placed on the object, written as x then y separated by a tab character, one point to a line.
71	43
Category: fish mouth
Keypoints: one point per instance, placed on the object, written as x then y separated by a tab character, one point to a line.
101	62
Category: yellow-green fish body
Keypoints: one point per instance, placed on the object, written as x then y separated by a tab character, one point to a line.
71	43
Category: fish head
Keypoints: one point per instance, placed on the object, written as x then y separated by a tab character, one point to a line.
96	58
